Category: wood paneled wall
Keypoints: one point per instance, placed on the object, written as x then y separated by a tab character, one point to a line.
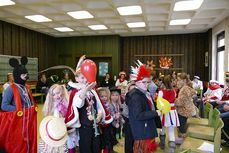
19	41
192	46
68	49
16	40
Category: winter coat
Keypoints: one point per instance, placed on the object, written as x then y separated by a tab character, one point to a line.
141	115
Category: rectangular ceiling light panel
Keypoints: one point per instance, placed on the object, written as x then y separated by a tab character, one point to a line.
81	15
130	10
63	29
187	5
180	22
136	24
6	2
38	18
97	27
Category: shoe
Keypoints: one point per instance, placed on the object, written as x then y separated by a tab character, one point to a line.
179	140
172	147
162	142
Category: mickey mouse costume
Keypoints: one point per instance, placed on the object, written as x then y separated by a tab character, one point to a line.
18	123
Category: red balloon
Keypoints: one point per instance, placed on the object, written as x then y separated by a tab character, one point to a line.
89	69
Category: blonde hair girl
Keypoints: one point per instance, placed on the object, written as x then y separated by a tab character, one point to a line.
56	101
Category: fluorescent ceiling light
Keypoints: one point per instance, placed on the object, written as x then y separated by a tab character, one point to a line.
6	2
130	10
180	22
187	5
63	29
97	27
38	18
81	15
136	24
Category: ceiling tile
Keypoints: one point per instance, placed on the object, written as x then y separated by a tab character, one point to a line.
157	17
215	4
118	3
157	28
196	26
112	21
138	30
116	26
19	11
121	31
133	19
182	15
157	23
156	14
209	13
103	14
67	7
98	5
150	9
202	21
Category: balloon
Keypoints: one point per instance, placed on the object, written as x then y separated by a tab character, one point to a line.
163	105
89	69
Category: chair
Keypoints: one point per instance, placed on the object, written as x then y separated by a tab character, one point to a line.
186	151
194	143
205	132
203	121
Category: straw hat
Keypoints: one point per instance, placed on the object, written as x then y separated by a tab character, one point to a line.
53	131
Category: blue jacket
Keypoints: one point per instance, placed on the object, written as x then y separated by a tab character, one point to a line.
141	116
8	103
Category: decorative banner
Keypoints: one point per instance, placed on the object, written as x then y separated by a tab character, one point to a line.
165	62
150	64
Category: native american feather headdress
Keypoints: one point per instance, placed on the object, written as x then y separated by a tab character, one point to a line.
140	71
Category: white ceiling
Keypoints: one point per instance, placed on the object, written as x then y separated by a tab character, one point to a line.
156	14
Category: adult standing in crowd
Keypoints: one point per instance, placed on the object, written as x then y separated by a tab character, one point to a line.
42	84
107	81
184	104
10	80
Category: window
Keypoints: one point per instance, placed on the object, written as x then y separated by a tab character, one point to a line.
220	57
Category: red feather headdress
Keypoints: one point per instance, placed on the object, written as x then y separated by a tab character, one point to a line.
139	72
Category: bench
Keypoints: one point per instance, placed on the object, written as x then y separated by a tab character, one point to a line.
39	97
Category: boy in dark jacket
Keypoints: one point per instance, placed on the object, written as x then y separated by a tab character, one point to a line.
142	112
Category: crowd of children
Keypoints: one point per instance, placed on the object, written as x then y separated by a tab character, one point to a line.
92	119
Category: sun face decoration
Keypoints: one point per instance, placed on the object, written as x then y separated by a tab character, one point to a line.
150	64
165	62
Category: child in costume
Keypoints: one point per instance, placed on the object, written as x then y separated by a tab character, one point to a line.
142	112
20	128
108	140
170	119
85	110
56	104
115	109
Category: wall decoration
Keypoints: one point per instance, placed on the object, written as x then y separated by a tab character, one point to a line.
150	64
103	68
165	62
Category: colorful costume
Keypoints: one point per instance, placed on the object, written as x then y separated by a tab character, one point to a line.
170	119
19	124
